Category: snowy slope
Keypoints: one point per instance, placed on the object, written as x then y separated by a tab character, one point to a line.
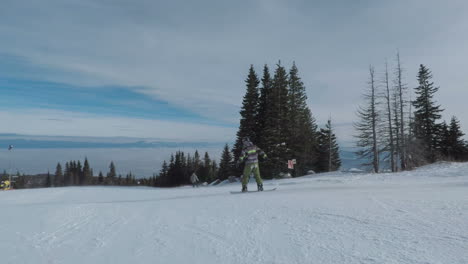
411	217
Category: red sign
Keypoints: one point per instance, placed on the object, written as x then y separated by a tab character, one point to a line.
291	164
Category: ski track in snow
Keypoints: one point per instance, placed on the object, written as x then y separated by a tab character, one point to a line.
410	217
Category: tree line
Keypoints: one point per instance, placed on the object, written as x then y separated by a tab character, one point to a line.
275	116
182	165
401	132
75	174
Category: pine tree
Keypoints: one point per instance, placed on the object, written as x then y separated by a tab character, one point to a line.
367	126
181	178
426	115
169	181
163	174
276	130
79	174
196	162
457	146
190	167
214	170
296	102
310	138
48	182
87	174
329	158
72	172
112	174
100	178
58	180
249	111
226	164
67	176
302	132
444	145
264	106
205	172
164	170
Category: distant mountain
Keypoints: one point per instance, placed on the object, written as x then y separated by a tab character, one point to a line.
349	159
51	142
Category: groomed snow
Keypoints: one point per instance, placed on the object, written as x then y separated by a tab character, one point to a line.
411	217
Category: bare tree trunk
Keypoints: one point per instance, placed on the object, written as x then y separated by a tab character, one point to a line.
409	142
396	122
402	106
329	146
389	116
375	148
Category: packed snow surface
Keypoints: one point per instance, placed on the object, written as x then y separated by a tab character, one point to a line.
411	217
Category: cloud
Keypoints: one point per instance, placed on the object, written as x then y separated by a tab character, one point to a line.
195	55
61	123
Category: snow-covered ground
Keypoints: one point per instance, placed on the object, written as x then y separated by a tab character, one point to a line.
411	217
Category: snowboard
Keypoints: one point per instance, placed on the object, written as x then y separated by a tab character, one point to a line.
265	190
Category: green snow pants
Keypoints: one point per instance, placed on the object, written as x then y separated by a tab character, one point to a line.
251	168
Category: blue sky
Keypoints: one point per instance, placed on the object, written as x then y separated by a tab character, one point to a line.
110	100
175	70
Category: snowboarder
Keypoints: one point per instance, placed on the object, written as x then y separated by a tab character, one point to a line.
250	153
194	179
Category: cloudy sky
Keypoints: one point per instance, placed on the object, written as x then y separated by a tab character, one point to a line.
175	70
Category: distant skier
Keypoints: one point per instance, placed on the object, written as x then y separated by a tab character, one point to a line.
194	179
250	153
